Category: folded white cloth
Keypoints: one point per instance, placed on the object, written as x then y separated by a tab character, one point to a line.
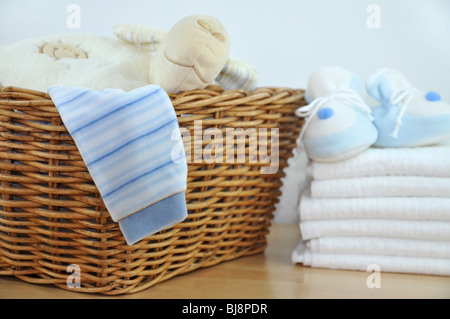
380	246
389	207
127	141
412	208
387	263
408	229
381	186
414	161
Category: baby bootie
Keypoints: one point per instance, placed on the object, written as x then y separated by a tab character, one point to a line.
338	124
406	116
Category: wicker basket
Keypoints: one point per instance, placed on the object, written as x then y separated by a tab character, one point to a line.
51	214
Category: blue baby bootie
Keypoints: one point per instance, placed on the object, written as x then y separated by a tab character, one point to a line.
338	123
406	116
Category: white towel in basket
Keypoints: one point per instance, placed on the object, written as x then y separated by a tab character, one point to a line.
127	140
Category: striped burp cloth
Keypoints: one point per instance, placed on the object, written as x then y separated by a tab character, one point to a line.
127	140
237	75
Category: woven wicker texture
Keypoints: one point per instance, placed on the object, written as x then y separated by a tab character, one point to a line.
51	214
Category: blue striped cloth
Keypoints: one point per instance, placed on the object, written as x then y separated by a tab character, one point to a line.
237	75
127	140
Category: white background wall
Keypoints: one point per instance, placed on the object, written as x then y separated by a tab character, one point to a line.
285	39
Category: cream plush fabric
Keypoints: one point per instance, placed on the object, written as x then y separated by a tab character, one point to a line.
236	74
189	56
89	61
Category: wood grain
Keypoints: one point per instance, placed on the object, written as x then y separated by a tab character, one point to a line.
269	275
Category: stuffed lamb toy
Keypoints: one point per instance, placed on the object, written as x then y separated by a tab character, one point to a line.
191	55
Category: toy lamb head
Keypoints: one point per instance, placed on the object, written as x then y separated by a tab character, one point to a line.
191	55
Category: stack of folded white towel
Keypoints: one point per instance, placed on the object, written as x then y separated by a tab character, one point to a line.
389	207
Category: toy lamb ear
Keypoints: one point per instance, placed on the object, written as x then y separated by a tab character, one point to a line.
237	75
145	37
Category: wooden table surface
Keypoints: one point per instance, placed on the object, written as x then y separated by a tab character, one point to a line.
270	275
